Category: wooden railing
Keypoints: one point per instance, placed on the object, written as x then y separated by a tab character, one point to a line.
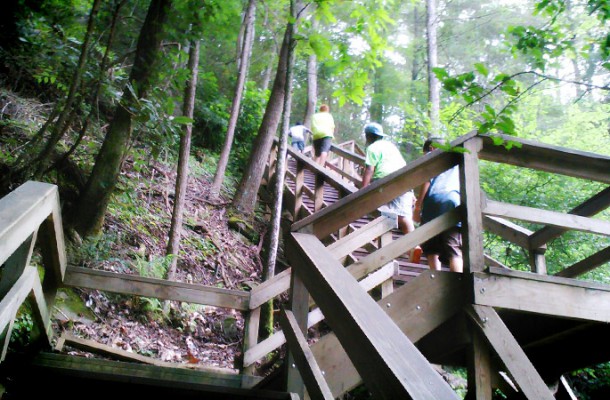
30	217
477	213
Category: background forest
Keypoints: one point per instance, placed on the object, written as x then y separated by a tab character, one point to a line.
99	96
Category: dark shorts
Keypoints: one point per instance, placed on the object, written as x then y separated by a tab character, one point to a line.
447	245
322	145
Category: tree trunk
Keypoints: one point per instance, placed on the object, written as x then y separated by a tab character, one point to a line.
60	129
175	231
433	83
239	89
376	110
280	172
247	191
312	81
88	216
416	66
96	91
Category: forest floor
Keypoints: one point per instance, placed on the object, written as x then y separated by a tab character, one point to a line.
212	254
134	241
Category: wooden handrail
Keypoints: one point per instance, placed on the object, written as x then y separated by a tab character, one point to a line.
157	288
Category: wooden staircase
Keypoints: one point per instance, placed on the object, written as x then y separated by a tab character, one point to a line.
506	327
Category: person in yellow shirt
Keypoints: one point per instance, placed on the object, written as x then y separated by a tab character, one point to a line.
323	128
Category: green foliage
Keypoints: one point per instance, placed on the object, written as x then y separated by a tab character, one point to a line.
154	267
592	383
22	327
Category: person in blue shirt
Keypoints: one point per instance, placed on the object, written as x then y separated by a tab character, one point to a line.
439	195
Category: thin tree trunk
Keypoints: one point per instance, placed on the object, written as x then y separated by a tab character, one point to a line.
416	34
88	216
312	81
280	172
94	97
239	89
60	129
376	110
433	83
245	198
175	231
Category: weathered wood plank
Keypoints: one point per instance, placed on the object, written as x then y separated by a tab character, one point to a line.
21	213
361	236
586	265
380	192
299	305
16	296
389	363
251	335
157	288
67	339
470	192
538	216
479	369
270	289
508	231
510	352
304	358
417	309
353	157
491	262
120	371
592	206
54	259
42	308
544	157
550	297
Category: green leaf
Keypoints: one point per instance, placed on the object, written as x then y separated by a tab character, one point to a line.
481	69
441	73
183	120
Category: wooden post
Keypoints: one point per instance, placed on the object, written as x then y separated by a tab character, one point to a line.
387	287
251	336
299	305
318	192
15	265
298	190
538	260
479	369
472	221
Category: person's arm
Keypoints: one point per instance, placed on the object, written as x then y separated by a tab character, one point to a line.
420	200
368	174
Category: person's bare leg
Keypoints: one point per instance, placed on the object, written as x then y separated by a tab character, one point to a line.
434	262
322	159
406	225
456	264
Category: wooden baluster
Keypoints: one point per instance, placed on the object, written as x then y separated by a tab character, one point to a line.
318	200
387	287
298	190
251	336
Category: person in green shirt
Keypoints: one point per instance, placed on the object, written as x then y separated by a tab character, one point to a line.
382	158
323	128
